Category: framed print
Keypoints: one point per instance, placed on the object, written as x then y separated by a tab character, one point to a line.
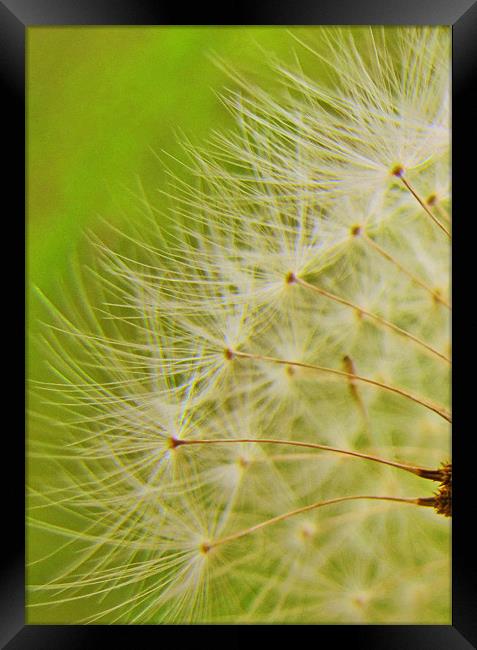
241	275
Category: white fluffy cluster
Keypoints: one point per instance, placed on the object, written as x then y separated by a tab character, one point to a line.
303	296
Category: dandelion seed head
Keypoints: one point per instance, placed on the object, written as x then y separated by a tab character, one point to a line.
302	296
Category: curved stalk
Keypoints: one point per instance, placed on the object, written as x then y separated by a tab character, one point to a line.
378	319
440	410
399	172
207	546
435	475
435	295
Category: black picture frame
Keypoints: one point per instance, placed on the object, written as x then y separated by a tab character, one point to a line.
18	15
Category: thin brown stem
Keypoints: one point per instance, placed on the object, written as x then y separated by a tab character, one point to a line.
413	469
440	410
378	319
435	294
210	545
422	203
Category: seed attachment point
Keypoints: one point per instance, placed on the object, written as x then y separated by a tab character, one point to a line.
398	171
291	278
229	354
172	443
204	548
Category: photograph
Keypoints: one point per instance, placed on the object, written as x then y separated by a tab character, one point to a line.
239	325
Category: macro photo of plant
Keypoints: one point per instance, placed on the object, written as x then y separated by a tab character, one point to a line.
239	313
